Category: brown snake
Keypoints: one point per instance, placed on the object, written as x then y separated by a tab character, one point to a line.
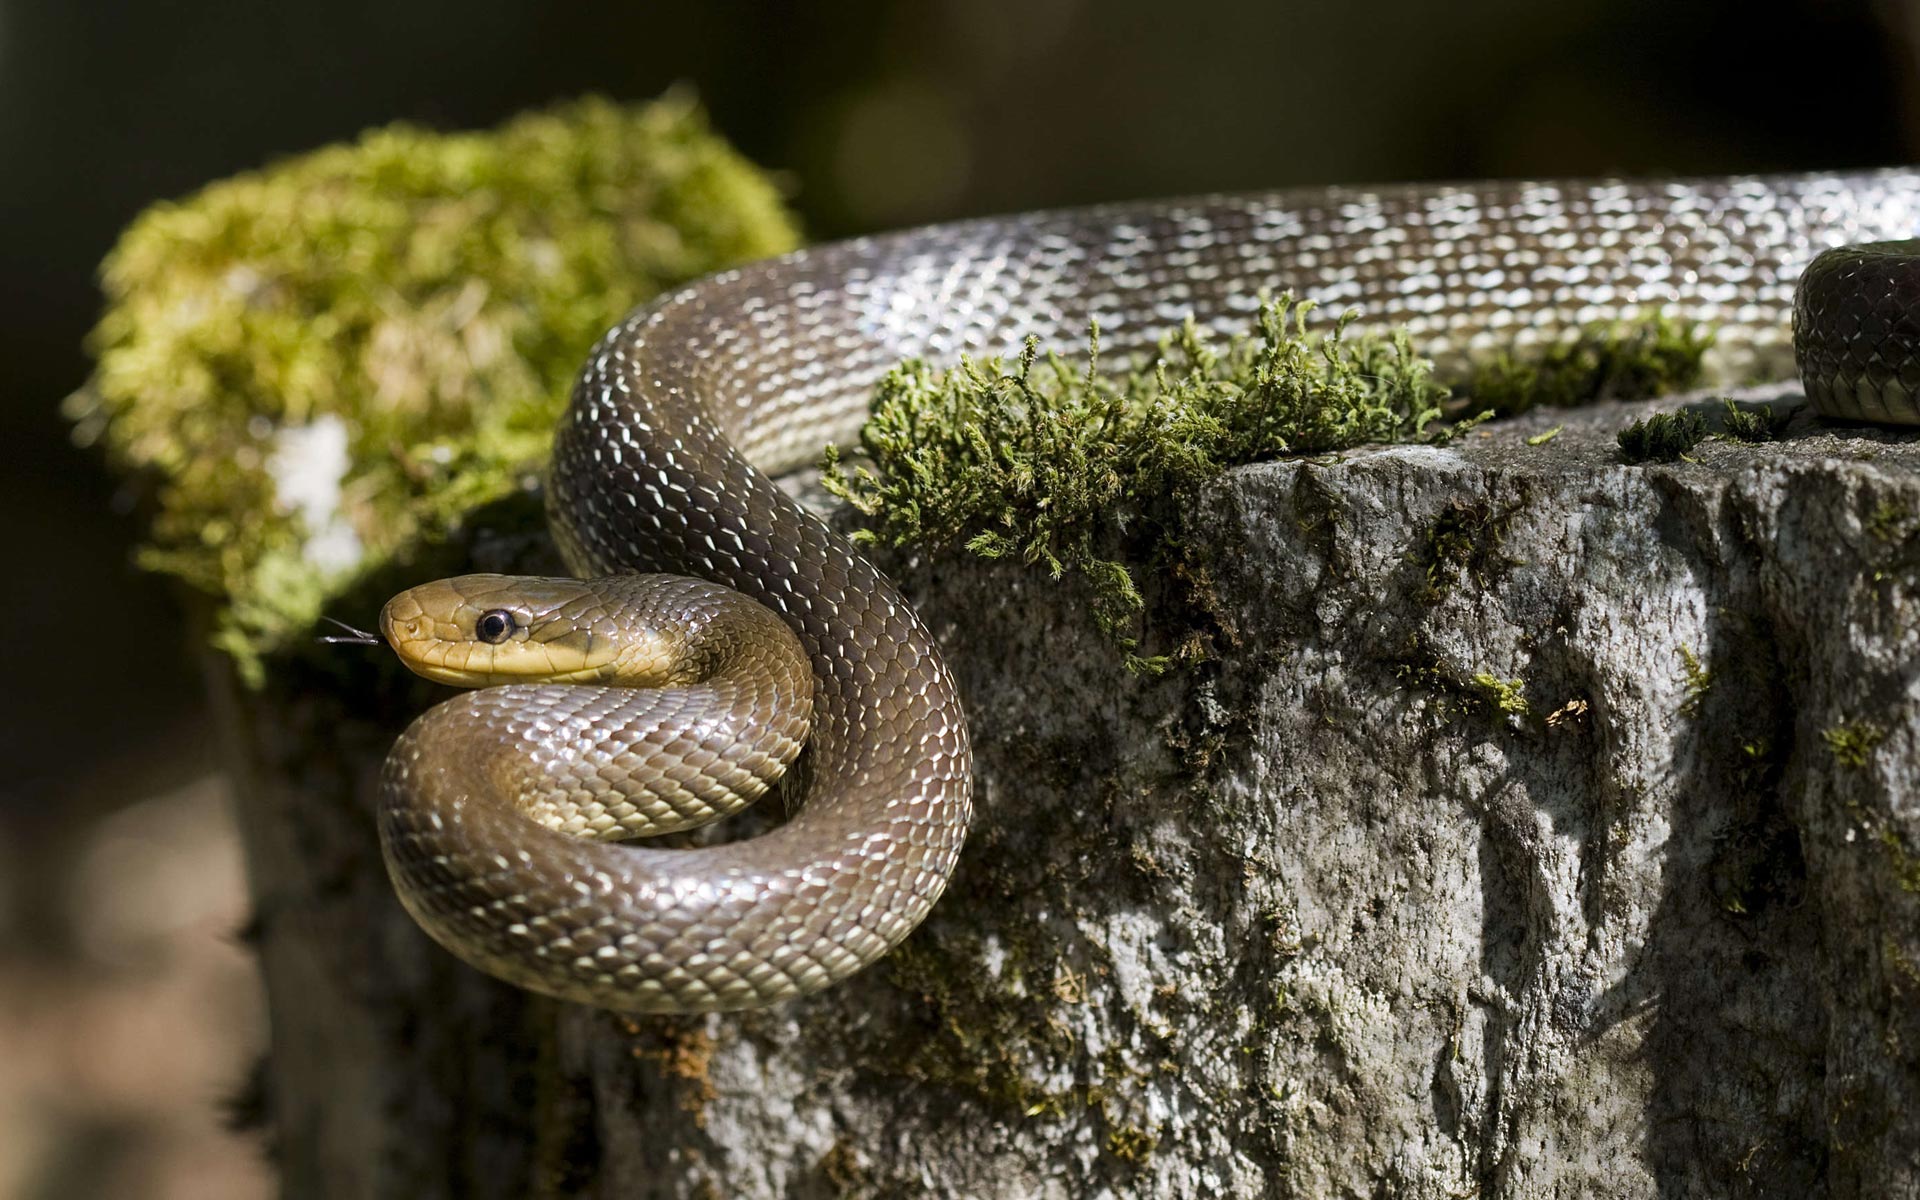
493	802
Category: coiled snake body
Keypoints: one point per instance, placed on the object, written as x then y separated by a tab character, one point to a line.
492	802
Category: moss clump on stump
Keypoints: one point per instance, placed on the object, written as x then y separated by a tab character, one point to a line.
1663	437
1752	423
319	364
1056	464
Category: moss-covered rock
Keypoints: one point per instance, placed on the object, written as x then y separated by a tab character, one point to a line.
1589	873
1089	471
316	365
1662	437
1054	463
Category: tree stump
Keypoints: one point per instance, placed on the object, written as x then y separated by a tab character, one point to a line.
1546	825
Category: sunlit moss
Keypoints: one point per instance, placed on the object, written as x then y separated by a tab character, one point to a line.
1503	695
1052	463
1131	1144
1056	464
424	298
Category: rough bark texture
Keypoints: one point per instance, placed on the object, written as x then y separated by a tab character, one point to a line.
1546	826
394	1070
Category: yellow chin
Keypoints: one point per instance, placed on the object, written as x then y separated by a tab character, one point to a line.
490	671
458	677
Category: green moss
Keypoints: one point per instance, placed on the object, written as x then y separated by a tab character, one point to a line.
1619	360
1890	523
1419	665
1906	972
1063	467
986	1033
993	1029
1503	695
1464	542
427	298
1451	694
1906	866
1059	466
1853	743
1699	680
1663	437
1752	423
1131	1144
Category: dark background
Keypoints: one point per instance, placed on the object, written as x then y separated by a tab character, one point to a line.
878	113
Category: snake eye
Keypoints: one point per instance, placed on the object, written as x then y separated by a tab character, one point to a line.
494	626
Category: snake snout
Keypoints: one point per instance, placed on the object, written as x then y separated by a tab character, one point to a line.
425	641
402	622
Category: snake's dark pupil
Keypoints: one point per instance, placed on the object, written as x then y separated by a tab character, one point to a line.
495	625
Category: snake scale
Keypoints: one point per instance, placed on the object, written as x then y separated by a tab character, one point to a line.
498	806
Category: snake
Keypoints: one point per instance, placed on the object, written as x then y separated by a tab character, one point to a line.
720	631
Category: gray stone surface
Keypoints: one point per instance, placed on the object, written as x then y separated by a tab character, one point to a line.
1320	919
1323	919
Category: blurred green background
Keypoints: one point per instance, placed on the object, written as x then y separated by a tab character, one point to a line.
879	113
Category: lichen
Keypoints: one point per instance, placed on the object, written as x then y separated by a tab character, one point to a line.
1631	359
997	1023
1663	437
997	1012
431	295
1084	473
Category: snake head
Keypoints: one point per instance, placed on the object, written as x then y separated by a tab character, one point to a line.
483	630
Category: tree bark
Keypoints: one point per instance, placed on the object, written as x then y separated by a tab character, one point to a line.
1545	825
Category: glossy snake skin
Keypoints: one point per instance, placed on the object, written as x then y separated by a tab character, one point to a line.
685	409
